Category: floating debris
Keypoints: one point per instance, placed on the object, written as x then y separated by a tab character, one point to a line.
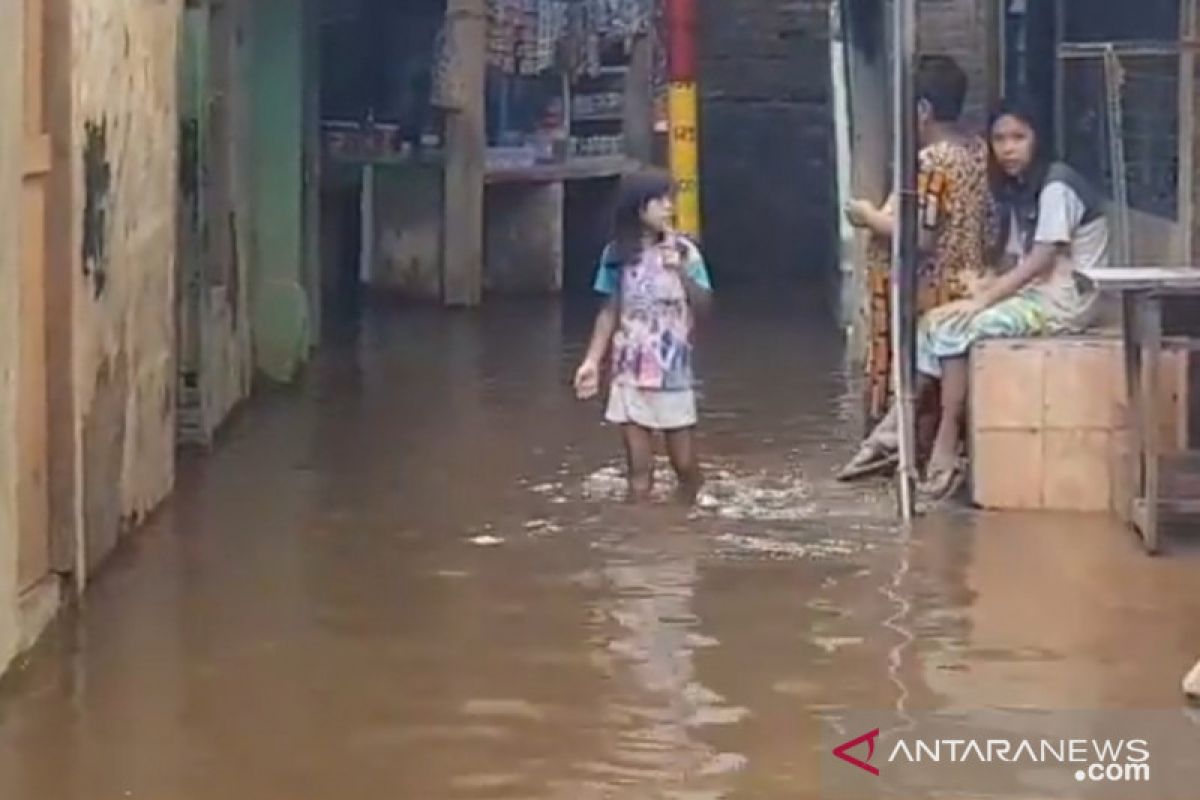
831	644
780	548
487	541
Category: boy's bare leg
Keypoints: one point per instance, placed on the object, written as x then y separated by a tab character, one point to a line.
639	459
681	448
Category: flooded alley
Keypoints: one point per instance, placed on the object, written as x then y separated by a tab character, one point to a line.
411	577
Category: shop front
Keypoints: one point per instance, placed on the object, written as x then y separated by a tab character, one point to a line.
563	91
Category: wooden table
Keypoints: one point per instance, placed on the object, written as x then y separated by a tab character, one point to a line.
1142	291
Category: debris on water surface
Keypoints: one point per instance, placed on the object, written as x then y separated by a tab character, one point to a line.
487	541
831	644
781	548
542	526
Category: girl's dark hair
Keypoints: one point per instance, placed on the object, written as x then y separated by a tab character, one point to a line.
1017	195
636	192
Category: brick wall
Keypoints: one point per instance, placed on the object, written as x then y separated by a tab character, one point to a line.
766	139
766	127
958	28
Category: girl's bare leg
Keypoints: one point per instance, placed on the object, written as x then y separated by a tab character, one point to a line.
681	447
639	460
954	408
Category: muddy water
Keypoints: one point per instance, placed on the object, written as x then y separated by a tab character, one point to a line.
410	578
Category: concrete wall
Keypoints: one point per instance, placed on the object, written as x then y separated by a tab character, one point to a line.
408	231
281	306
10	204
766	139
124	161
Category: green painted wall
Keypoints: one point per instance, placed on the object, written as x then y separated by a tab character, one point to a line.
281	306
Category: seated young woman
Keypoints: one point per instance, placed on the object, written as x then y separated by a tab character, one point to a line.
1051	226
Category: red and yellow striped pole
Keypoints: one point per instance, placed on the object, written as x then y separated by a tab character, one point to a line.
682	113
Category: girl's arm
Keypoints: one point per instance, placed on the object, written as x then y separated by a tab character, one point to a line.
882	221
698	296
602	333
1039	261
1060	212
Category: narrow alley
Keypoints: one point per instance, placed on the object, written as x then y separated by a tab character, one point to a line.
306	489
411	577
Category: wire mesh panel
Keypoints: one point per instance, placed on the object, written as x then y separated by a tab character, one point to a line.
1120	124
1084	121
1122	107
1150	105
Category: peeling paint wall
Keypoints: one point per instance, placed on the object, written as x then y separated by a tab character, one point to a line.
124	113
10	204
214	222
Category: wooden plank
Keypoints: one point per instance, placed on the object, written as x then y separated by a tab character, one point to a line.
38	156
1159	279
1151	336
588	168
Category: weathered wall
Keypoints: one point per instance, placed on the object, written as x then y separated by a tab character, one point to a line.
766	139
523	237
215	223
124	151
10	199
408	231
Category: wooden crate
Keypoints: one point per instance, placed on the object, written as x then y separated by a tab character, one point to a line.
1050	422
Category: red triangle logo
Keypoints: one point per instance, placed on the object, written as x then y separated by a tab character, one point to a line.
843	752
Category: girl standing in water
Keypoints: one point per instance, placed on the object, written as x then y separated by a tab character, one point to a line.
653	281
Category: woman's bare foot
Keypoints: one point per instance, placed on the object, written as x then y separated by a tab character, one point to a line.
943	477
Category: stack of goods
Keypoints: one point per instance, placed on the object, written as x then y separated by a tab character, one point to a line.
528	37
598	105
593	146
504	20
621	19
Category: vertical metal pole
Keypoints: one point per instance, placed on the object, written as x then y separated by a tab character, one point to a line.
1114	80
366	206
682	104
1060	74
904	244
1187	127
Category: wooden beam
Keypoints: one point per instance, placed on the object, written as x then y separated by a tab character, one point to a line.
466	154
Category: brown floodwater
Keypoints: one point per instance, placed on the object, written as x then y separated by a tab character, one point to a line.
412	577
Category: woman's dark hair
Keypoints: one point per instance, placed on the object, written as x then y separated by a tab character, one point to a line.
637	191
1017	196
